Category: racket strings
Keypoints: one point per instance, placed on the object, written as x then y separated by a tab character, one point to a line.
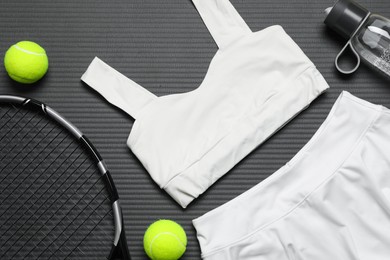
75	228
54	204
31	182
41	192
13	117
62	236
29	191
17	157
109	215
10	108
49	227
45	202
10	138
26	145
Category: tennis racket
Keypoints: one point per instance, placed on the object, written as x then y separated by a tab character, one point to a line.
57	198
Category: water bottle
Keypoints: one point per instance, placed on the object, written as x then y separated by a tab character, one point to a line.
368	35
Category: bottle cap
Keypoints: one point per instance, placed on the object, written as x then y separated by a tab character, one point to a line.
345	17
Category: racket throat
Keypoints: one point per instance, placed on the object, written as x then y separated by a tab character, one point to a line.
119	250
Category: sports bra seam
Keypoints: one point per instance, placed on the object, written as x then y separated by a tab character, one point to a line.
196	161
327	179
277	90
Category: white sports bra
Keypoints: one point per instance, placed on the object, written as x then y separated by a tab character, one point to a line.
256	83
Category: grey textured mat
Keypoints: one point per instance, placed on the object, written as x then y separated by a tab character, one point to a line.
164	46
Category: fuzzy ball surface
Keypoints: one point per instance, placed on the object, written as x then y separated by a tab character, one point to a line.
165	240
26	62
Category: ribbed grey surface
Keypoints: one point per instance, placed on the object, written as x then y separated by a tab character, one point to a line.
165	46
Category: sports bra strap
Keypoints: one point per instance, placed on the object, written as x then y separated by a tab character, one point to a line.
116	88
222	20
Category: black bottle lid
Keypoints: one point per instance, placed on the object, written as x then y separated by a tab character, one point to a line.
345	17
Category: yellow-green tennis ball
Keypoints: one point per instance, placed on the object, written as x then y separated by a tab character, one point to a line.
165	240
26	62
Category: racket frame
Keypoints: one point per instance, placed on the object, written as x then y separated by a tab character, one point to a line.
119	250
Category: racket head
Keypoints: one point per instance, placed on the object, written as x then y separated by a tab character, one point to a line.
58	198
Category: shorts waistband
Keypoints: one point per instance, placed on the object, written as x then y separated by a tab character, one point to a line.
279	194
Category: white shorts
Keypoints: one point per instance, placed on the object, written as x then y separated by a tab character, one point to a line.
330	202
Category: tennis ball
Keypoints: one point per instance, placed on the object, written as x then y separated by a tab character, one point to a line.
165	240
26	62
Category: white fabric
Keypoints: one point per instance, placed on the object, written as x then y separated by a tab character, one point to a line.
330	202
256	83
